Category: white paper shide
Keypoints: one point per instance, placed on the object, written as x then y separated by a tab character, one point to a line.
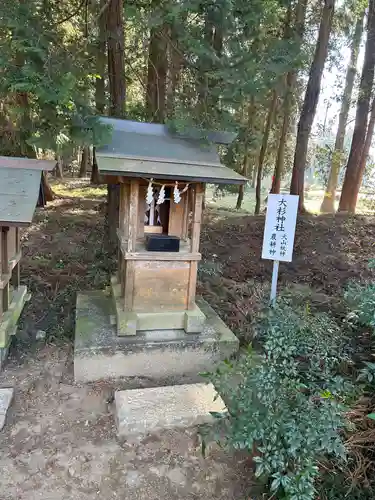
280	227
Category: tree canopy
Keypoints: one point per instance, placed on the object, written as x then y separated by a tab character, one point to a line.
250	67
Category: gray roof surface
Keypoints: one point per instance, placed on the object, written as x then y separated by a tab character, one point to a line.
19	190
173	171
29	163
153	147
144	149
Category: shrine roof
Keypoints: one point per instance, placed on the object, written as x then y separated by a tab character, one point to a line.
19	188
149	149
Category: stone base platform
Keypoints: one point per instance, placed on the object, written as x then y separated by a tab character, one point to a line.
143	411
99	353
129	323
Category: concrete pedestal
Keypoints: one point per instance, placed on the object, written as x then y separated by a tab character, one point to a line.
99	353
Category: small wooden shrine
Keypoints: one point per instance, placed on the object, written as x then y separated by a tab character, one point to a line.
162	182
19	190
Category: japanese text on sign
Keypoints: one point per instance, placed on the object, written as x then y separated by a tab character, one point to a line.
280	227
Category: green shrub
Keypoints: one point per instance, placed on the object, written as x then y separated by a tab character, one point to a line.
285	405
210	268
361	300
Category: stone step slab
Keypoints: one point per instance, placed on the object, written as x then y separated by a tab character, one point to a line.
144	411
6	396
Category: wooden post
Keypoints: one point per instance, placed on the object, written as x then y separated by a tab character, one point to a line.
123	216
141	211
197	217
176	218
5	266
132	231
132	222
185	219
122	207
195	236
16	279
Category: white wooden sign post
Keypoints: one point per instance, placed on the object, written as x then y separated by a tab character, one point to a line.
279	231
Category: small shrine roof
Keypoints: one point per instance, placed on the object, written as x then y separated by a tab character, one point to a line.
149	149
19	188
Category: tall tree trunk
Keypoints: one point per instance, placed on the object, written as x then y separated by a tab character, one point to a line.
246	159
353	174
241	187
368	140
100	59
95	176
116	68
253	176
100	99
328	204
295	33
280	157
157	73
310	103
45	191
240	196
58	170
116	79
209	86
263	151
175	68
205	64
85	160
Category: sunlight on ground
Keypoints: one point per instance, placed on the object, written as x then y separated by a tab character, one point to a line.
224	203
313	200
78	188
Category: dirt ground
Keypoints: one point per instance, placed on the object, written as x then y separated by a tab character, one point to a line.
330	251
60	441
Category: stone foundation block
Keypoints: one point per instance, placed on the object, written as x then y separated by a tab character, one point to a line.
99	353
143	411
6	396
194	321
129	323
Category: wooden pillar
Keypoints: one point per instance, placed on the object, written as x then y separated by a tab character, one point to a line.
15	279
185	218
141	211
132	231
124	207
176	217
4	267
123	216
195	237
197	217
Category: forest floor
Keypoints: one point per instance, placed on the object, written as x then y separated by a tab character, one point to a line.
60	441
